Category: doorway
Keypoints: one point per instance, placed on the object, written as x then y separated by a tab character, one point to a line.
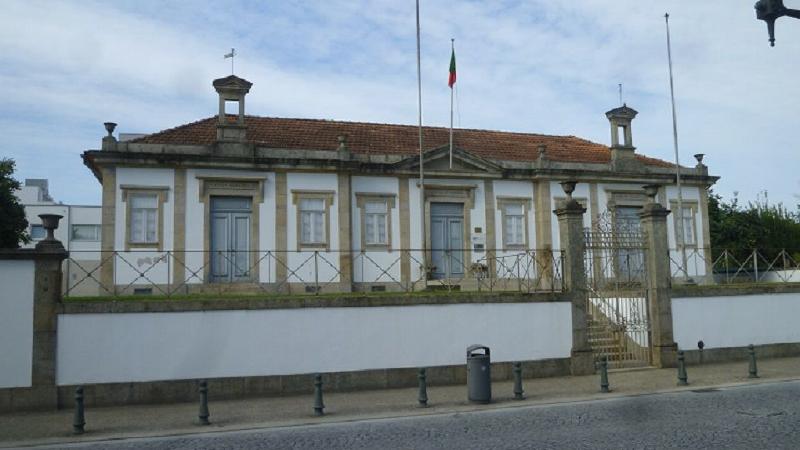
447	240
230	239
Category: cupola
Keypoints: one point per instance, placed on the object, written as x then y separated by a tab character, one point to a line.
622	149
231	126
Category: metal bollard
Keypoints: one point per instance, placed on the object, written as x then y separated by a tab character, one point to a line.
519	394
78	420
683	379
422	398
604	375
203	413
318	405
753	367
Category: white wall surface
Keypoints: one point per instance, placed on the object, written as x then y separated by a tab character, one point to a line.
370	266
16	323
105	348
301	264
736	321
695	256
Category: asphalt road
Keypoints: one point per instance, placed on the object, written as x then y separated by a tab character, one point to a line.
765	416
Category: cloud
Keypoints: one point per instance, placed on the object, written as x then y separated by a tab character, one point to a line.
536	66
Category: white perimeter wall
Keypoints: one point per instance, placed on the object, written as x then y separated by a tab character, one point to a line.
736	321
16	323
104	348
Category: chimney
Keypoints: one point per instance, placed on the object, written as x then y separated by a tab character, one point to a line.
231	90
622	149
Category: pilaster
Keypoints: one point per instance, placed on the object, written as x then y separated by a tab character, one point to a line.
108	228
491	241
544	231
281	233
405	233
345	232
179	230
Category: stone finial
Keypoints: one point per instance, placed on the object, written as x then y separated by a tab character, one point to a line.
50	224
569	188
542	150
109	142
110	126
651	190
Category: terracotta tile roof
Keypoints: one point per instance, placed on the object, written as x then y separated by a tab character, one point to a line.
376	138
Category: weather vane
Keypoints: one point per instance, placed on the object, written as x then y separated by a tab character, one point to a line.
231	55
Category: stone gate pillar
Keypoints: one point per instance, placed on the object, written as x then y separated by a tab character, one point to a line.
654	225
570	226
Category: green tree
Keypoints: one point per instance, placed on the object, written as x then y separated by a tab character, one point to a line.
13	225
760	226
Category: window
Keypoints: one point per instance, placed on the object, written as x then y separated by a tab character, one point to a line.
375	219
689	237
312	221
37	232
86	232
689	225
514	224
514	211
144	218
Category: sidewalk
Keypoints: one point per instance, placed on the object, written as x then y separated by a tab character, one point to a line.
23	429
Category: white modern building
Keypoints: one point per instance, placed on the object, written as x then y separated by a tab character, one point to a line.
78	231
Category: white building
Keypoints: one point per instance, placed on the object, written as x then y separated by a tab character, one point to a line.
308	205
78	231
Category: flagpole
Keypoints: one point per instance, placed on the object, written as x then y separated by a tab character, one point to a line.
421	171
452	49
679	230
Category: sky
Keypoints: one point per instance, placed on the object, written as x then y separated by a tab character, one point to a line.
528	66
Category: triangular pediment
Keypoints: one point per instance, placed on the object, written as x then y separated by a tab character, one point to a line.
438	159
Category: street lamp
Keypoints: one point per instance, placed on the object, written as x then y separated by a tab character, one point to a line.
769	11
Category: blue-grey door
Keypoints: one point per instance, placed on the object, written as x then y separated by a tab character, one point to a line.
230	239
628	236
447	240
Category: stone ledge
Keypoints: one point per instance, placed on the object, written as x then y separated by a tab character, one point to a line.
730	354
32	254
732	289
344	301
174	391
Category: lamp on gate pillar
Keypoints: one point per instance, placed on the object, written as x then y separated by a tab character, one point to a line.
771	10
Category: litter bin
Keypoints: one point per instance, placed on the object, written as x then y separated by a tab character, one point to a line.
479	374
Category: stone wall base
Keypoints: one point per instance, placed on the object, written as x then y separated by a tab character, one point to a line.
731	354
174	391
28	399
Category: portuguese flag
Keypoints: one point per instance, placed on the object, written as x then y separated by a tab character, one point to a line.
452	80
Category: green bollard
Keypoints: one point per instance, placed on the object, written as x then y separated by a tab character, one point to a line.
604	375
753	367
78	420
519	394
422	398
319	407
683	379
203	413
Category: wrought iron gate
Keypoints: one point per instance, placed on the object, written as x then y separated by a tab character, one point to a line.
617	304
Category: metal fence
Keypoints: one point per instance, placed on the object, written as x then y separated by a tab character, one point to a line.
174	273
724	266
